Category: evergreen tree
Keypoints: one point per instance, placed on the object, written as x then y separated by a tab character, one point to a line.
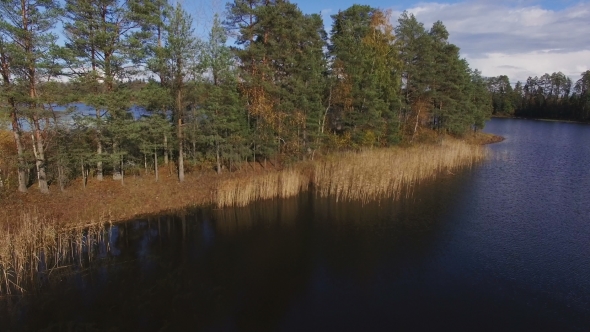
221	106
25	27
502	95
450	86
151	129
550	96
157	99
104	47
181	49
9	106
582	90
481	100
281	61
365	67
415	51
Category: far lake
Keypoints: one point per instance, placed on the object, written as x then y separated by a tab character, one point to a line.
503	246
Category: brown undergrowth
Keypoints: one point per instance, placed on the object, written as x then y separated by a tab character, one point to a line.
35	228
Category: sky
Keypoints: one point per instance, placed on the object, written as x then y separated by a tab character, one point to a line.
519	38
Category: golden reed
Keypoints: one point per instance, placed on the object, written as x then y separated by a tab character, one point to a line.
33	246
384	173
242	191
366	175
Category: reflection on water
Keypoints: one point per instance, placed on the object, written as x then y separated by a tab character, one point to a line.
499	247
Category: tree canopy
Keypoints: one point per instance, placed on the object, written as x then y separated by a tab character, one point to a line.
550	96
133	85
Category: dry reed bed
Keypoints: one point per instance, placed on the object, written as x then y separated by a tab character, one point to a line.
277	184
35	246
364	176
375	174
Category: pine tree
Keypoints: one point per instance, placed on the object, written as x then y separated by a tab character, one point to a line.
416	54
157	99
582	90
103	47
221	103
480	99
280	59
181	49
7	94
450	86
365	68
26	26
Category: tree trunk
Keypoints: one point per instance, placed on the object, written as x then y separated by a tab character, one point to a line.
99	175
122	171
99	172
194	156
40	160
180	152
179	110
194	136
83	175
416	125
5	71
29	57
166	152
218	159
22	169
305	139
60	170
323	123
116	163
156	164
36	158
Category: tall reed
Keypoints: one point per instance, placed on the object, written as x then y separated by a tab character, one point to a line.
379	173
277	184
32	246
365	176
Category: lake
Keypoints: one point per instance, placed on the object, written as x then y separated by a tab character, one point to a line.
503	246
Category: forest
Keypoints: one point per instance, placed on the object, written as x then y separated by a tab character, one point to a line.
553	96
269	83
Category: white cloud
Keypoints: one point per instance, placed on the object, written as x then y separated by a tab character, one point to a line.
326	12
519	66
498	38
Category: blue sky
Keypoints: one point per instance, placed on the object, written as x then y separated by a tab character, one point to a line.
519	38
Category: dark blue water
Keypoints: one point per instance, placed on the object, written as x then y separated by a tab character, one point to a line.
504	246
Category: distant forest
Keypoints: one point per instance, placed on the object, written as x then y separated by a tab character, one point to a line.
553	96
284	90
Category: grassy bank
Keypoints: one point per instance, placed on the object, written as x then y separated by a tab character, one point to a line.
56	227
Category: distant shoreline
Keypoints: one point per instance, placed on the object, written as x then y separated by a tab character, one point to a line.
538	119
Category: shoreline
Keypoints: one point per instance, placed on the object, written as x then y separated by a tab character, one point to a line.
539	119
110	201
36	225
